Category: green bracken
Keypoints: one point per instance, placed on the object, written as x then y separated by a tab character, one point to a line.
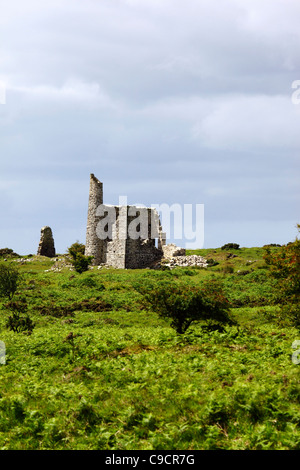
101	371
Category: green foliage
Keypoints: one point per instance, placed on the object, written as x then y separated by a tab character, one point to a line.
230	246
284	265
7	253
9	280
76	248
124	380
16	321
81	262
227	268
19	323
211	262
70	340
78	259
185	304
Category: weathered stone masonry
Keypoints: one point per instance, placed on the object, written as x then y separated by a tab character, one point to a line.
118	249
46	246
94	246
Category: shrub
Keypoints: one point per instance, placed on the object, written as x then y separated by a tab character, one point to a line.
78	259
271	245
230	246
284	265
9	280
81	262
76	248
16	322
7	253
185	304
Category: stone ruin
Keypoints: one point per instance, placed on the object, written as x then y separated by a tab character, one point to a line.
46	246
186	261
171	250
116	247
175	256
110	242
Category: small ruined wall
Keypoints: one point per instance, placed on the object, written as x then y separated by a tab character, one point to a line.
171	250
46	246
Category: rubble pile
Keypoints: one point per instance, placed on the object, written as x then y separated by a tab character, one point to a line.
190	260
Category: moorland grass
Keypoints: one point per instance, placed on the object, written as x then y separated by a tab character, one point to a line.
98	371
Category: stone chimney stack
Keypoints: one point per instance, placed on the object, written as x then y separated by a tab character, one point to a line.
94	245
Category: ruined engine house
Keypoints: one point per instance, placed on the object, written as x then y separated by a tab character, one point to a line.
123	236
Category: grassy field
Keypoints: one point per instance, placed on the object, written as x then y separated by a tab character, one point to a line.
98	371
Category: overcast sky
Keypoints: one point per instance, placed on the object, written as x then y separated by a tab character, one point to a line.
164	101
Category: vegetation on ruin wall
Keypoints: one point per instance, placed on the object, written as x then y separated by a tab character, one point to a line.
95	369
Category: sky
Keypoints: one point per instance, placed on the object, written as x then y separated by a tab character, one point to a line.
165	101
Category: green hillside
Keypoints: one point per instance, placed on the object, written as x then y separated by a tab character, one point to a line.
97	370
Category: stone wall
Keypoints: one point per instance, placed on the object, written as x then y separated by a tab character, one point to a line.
118	247
187	261
46	246
171	250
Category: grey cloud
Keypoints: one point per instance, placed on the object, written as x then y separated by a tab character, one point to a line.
163	101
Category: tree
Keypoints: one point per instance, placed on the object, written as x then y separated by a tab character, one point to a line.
184	304
76	248
9	280
284	265
78	259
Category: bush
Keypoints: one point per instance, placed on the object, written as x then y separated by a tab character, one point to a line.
7	253
81	263
230	246
79	260
284	265
16	322
185	304
9	280
76	248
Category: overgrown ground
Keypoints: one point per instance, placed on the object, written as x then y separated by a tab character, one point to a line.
125	380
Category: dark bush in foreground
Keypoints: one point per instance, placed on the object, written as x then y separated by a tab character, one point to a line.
185	304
